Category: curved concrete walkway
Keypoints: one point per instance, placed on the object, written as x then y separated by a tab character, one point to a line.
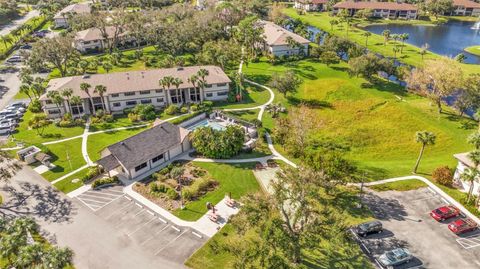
434	187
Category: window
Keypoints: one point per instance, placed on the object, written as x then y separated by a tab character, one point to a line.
146	101
158	158
209	94
131	103
221	84
160	100
129	93
222	93
48	102
115	95
86	42
158	91
54	111
140	167
208	86
144	92
117	104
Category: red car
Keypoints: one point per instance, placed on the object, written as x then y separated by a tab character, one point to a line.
461	226
444	212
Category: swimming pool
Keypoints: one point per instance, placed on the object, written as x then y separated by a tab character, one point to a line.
206	123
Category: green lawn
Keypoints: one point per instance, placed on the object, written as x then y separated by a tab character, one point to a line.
247	115
97	142
66	185
378	127
475	50
67	156
331	255
402	185
410	54
235	178
50	133
120	121
252	96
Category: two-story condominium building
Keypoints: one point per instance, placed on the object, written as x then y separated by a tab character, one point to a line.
92	39
127	89
145	152
61	18
387	10
311	5
277	40
465	8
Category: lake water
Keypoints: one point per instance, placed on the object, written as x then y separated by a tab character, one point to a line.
448	39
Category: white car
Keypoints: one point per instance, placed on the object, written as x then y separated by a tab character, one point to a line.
5	130
11	123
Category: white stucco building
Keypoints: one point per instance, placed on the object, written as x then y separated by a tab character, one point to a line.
127	89
61	18
276	40
92	39
464	162
386	10
311	5
465	8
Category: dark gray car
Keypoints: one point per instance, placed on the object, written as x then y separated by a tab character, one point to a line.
367	228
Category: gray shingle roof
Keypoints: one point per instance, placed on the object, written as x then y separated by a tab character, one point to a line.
108	162
146	145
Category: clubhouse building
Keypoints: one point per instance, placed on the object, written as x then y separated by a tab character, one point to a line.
127	89
386	10
145	152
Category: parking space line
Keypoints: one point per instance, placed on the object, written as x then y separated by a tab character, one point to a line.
120	209
152	237
139	205
197	235
139	212
162	220
101	194
175	228
90	200
94	197
128	198
443	199
113	191
173	240
140	227
110	202
93	209
150	212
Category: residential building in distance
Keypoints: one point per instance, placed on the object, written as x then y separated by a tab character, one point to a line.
278	41
127	89
311	5
145	152
464	162
387	10
92	39
61	18
465	8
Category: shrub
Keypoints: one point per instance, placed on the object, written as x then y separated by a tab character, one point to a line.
164	171
194	108
156	188
145	112
443	175
257	122
91	173
187	194
79	122
198	187
100	113
127	111
207	104
184	110
105	181
172	194
35	106
218	144
108	118
171	110
133	117
65	123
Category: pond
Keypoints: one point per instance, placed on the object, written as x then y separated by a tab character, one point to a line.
448	39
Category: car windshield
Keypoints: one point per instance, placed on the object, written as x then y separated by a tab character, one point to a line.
391	256
438	211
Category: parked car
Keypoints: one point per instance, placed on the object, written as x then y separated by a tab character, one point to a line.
15	108
2	79
18	104
39	34
395	257
461	226
367	228
14	59
26	47
5	129
14	117
9	122
445	212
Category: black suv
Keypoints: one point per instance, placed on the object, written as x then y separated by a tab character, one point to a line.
367	228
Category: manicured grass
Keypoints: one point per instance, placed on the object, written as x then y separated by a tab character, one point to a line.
97	142
1	199
370	118
411	54
66	185
252	96
120	121
475	50
247	115
403	185
332	255
50	133
67	157
235	178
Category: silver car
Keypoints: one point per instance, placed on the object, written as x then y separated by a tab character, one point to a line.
395	257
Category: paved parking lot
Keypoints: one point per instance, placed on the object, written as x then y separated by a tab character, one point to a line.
405	217
152	233
96	199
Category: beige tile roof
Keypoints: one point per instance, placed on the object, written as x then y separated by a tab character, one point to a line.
466	3
375	5
134	80
92	34
463	158
277	35
312	1
74	8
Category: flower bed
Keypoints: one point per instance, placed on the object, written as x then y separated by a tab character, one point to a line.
105	181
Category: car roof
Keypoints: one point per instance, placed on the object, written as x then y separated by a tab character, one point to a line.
445	209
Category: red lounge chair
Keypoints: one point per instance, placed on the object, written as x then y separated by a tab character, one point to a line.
230	202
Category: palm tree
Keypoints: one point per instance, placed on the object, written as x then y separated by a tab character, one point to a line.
333	23
67	93
202	73
25	89
386	36
86	88
469	175
366	35
424	49
166	83
194	79
403	37
76	101
100	90
55	97
177	82
6	39
474	139
425	138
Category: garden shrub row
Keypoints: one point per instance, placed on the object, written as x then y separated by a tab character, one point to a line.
35	23
198	188
160	189
91	173
105	181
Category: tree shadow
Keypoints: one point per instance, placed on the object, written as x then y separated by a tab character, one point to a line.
384	86
340	68
311	103
259	78
384	208
44	203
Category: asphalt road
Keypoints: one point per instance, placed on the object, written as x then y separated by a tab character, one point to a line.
405	217
94	240
5	30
